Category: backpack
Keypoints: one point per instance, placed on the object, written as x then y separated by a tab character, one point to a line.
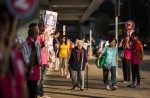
26	52
141	54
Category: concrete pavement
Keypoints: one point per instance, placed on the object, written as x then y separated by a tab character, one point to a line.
56	86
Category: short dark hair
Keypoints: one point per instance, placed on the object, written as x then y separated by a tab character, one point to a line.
57	32
31	32
111	39
31	25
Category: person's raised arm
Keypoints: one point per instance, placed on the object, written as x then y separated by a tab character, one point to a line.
121	43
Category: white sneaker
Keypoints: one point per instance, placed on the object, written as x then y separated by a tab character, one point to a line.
114	88
107	87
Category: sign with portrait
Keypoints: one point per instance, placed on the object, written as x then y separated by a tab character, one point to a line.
50	21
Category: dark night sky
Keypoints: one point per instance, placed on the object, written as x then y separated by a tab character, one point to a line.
137	11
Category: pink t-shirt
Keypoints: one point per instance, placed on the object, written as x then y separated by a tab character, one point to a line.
127	54
44	54
127	51
12	86
44	50
40	39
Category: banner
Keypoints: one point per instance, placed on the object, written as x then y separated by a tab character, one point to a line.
50	21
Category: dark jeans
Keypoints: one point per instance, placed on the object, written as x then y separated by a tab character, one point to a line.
126	69
44	70
135	73
40	90
113	75
32	87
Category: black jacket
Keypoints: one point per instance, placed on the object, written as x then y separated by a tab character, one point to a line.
73	61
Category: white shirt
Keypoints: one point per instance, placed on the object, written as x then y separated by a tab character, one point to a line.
50	43
106	43
85	45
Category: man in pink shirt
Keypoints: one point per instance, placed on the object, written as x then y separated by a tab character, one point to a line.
35	70
135	61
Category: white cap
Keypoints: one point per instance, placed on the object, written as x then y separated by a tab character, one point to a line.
80	42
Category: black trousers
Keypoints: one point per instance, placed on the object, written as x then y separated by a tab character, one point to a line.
126	69
32	87
135	73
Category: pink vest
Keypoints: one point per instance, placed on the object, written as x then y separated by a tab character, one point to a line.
35	71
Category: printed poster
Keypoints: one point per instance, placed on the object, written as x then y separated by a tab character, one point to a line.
50	21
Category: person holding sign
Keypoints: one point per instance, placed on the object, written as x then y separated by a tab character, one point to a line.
126	57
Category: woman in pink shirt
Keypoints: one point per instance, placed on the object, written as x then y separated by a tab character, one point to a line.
126	57
42	39
43	42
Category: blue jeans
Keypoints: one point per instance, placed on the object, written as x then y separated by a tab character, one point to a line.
113	75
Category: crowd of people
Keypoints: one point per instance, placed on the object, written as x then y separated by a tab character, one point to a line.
131	55
52	51
24	65
31	59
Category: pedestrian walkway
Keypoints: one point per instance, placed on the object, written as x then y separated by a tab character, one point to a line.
56	86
